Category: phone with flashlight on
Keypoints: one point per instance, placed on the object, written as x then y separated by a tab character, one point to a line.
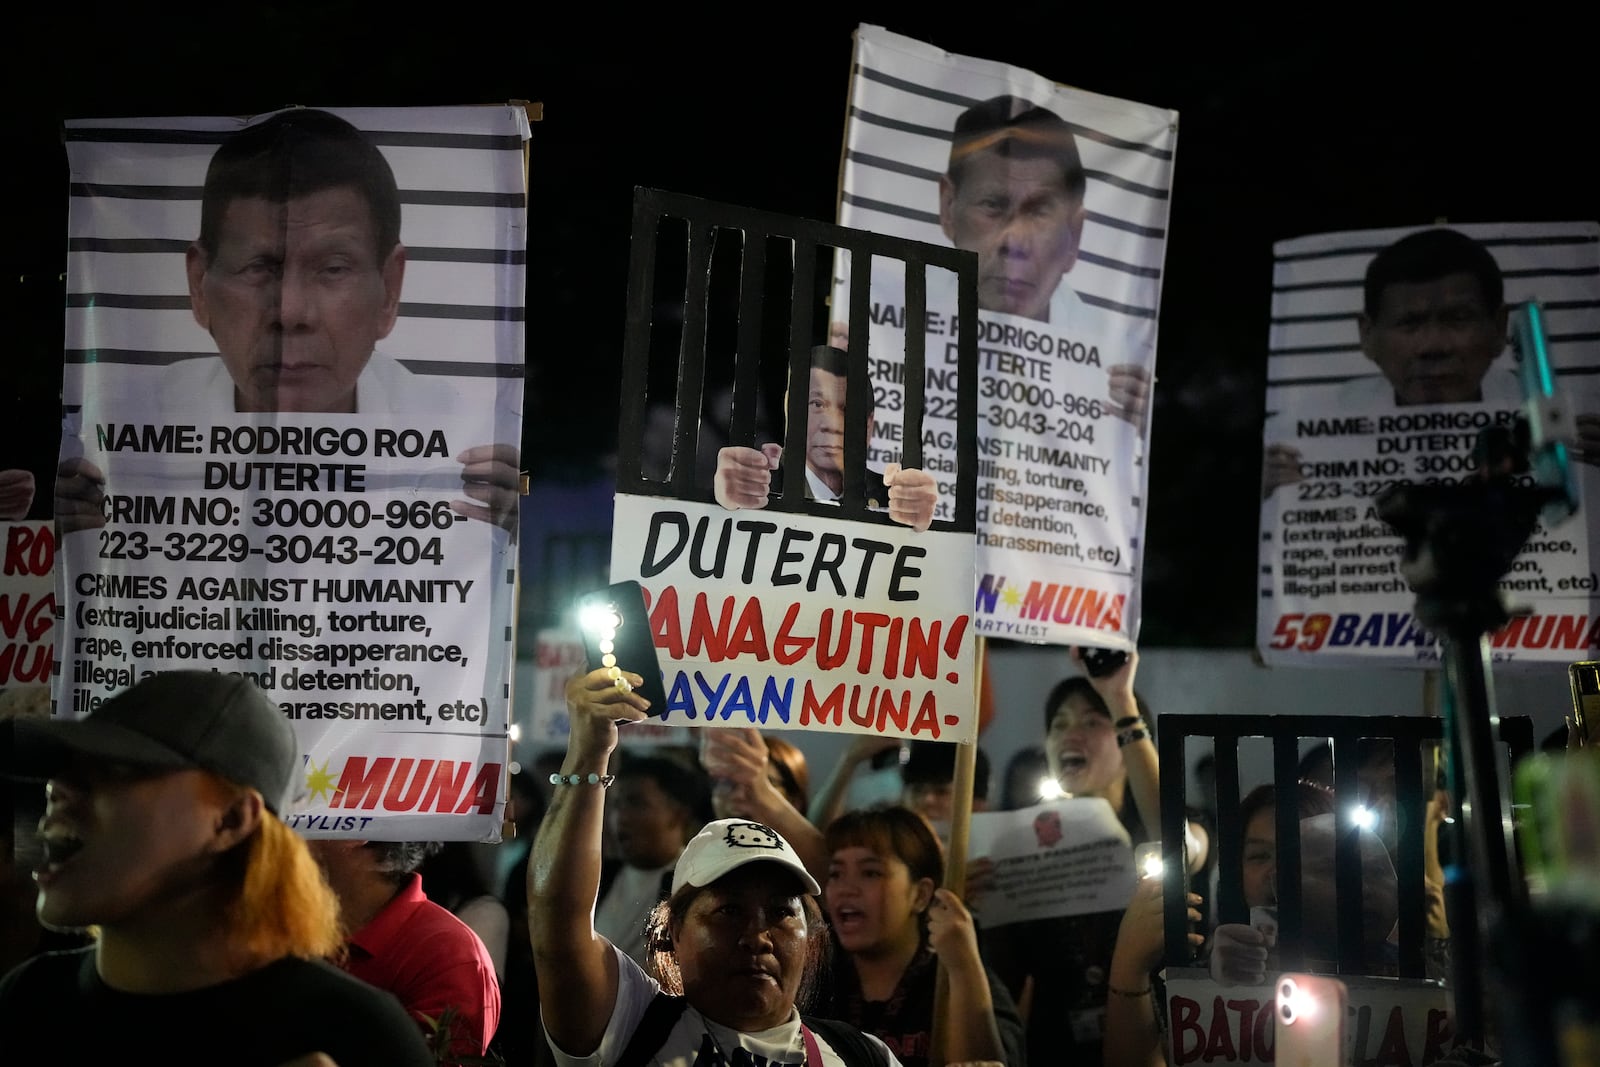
616	634
1148	862
1308	1020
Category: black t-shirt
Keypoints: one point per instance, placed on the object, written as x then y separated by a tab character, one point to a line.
55	1009
1069	959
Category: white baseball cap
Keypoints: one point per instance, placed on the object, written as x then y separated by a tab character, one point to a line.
728	844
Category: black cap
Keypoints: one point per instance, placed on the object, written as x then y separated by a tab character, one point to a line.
172	721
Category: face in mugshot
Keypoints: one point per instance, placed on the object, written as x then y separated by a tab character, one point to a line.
1434	340
1023	222
296	297
825	427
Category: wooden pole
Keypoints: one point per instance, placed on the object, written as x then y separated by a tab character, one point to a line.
955	859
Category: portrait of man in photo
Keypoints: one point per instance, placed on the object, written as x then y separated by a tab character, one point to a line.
296	275
744	475
1433	322
1013	192
297	271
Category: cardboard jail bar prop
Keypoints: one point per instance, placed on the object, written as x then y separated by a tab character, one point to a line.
1409	734
804	238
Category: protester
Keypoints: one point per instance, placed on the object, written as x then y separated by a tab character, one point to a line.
1098	744
746	749
738	938
405	943
928	781
927	775
21	805
1134	1036
1240	954
1027	773
525	804
881	757
893	929
751	786
660	804
454	879
162	831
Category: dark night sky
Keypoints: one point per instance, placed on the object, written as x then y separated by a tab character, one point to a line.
1304	123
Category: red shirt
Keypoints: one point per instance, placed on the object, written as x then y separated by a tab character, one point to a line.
429	960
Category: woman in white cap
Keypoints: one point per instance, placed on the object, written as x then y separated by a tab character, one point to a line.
740	938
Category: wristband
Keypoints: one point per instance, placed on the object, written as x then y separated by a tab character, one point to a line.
1128	737
1128	720
1132	994
602	780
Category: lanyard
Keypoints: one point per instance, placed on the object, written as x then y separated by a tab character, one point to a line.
813	1054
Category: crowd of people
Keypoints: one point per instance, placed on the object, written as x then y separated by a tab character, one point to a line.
669	904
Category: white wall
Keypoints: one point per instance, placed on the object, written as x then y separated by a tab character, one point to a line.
1217	682
1220	682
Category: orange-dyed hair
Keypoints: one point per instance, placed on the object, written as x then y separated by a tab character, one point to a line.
282	904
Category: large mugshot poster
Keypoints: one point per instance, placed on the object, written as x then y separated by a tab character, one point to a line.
1389	357
290	449
1064	196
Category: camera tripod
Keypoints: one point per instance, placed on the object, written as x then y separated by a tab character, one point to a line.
1460	540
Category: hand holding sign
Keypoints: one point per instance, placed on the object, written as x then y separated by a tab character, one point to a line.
1238	955
744	475
951	933
16	494
80	491
1280	465
491	475
1129	386
913	494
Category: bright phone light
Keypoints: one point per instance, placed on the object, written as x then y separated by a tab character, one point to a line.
1364	817
1154	866
514	731
598	619
1295	1003
1050	789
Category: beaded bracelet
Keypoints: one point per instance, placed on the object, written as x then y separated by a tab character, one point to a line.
1128	737
602	780
1132	994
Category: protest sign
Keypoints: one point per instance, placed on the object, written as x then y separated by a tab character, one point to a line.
803	597
1388	360
558	655
1063	195
1064	857
291	438
27	613
1391	1022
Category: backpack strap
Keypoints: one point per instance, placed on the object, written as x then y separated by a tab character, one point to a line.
851	1044
651	1033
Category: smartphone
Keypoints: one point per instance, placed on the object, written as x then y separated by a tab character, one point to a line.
1585	679
1309	1021
1147	861
1100	662
616	633
890	757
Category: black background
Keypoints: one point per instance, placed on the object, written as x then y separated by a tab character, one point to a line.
1301	120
